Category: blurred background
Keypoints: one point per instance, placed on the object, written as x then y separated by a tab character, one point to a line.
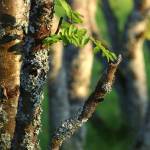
122	120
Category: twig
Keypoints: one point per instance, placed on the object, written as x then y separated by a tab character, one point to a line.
68	127
59	25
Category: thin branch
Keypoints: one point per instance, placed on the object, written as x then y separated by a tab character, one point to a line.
59	25
68	128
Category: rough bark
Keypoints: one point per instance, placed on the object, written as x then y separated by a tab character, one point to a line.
13	24
68	128
33	75
132	81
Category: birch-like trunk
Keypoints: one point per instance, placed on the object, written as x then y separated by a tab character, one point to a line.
13	23
33	75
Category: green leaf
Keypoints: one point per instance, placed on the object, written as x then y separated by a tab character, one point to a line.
72	15
51	39
105	52
71	34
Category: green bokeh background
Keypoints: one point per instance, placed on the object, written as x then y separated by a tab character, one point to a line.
109	110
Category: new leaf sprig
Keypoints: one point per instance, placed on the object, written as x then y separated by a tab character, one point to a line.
69	33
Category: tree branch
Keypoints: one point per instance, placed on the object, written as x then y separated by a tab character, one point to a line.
68	128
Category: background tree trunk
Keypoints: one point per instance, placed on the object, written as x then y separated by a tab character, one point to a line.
92	8
77	73
78	64
13	23
142	142
57	90
131	85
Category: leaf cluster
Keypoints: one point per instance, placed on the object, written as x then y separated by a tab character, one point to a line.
69	33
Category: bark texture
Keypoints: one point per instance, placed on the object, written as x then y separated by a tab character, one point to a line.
33	75
68	128
132	81
13	24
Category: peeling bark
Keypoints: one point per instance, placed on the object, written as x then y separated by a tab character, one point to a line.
13	24
68	127
33	75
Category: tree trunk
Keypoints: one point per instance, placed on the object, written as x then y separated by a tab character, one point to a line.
78	64
132	81
92	7
13	23
57	91
58	100
142	142
33	75
135	99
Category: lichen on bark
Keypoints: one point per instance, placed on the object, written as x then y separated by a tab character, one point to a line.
33	75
